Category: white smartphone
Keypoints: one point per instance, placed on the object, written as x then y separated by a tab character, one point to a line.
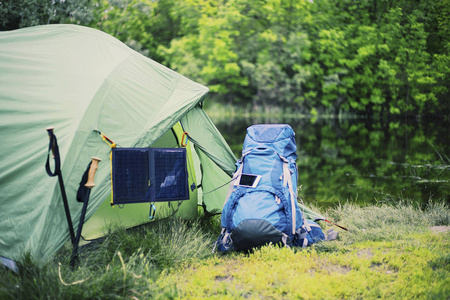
249	180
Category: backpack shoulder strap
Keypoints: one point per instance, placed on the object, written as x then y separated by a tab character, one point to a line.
236	175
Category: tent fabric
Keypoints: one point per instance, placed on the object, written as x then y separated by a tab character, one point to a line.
79	80
216	157
201	128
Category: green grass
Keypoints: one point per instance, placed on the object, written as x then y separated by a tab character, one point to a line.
388	253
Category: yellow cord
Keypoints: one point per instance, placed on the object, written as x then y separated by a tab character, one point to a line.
111	166
112	145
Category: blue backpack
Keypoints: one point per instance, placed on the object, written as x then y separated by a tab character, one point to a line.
261	206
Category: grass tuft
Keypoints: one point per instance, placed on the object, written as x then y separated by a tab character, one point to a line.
126	263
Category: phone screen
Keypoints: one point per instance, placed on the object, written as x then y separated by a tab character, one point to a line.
249	180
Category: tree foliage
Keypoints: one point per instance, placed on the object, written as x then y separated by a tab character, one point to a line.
372	57
16	14
365	56
144	25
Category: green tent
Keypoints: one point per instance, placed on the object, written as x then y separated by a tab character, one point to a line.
82	81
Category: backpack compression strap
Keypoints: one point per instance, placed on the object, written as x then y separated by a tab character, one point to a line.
287	179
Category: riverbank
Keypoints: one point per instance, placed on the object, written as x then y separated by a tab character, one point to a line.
224	112
390	251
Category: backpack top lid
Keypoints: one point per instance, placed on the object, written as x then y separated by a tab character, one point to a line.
279	137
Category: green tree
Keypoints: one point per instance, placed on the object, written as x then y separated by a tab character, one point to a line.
279	69
207	53
245	50
16	14
375	58
143	25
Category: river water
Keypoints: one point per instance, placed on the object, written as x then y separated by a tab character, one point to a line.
362	161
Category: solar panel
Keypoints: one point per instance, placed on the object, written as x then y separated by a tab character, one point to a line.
149	175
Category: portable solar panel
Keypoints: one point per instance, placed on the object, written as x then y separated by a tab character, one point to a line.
149	175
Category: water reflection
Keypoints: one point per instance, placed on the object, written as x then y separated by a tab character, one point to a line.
362	161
